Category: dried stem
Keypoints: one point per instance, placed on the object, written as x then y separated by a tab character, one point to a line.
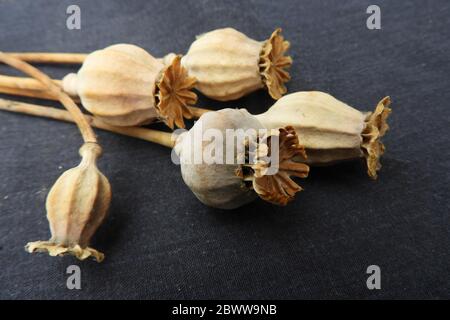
83	125
197	112
155	136
39	94
61	58
29	87
47	57
24	83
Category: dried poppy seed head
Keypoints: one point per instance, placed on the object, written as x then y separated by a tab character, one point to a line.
76	205
234	182
126	86
228	65
331	130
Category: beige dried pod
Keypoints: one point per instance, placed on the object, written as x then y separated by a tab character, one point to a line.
78	201
228	65
76	206
331	130
124	85
231	180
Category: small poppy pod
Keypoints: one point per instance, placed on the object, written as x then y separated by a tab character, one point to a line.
76	206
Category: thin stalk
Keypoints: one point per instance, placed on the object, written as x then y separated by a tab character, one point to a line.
39	94
197	112
51	58
82	123
24	83
155	136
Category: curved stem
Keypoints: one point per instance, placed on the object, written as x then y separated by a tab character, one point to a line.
83	125
155	136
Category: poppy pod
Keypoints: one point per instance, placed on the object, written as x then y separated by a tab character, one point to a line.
76	206
126	86
331	130
228	65
242	157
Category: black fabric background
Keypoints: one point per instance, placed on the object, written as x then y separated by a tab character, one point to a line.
161	242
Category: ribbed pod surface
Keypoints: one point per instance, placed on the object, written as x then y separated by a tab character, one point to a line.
118	84
225	64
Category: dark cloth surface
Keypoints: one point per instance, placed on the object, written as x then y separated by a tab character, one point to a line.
161	242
